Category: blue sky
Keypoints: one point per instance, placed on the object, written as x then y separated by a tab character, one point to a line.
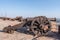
27	8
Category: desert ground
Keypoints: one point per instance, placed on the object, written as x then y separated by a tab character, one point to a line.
18	35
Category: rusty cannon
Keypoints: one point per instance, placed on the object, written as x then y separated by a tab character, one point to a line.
39	25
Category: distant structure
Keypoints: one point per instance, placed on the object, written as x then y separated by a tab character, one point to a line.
52	19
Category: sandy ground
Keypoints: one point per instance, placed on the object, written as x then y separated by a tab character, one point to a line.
23	36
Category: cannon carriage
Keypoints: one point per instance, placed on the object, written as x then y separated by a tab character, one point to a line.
38	25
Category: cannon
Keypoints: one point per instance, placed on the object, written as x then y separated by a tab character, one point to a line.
39	25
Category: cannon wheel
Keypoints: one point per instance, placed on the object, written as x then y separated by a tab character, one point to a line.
34	28
36	25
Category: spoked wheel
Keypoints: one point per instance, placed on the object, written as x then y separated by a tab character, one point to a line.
35	29
40	27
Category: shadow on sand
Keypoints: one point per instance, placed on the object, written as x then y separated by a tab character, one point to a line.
24	30
54	35
1	31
